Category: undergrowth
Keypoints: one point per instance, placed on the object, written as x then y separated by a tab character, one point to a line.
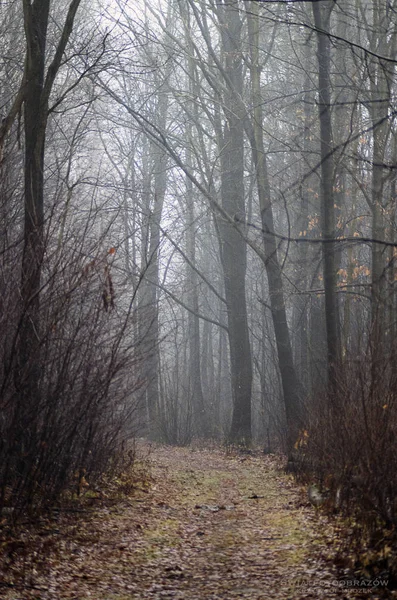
349	448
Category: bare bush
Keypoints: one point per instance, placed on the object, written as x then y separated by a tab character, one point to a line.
352	444
350	449
87	365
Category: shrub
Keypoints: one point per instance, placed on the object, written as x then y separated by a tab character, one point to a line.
86	366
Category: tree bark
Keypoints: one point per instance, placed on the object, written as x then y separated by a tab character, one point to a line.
200	415
383	41
291	386
233	246
149	310
322	13
36	89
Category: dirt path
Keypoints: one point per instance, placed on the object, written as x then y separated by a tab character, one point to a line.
209	527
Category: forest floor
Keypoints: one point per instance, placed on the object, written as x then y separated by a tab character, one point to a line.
203	525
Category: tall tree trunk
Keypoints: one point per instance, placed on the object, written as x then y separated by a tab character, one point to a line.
149	310
36	22
200	416
36	91
322	13
302	301
383	42
291	386
233	247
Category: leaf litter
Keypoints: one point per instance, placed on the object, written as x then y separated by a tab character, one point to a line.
203	525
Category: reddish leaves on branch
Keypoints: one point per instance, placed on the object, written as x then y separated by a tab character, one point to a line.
107	285
108	290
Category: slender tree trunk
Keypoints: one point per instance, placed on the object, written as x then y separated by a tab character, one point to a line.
291	386
149	310
322	13
200	416
208	378
301	304
383	42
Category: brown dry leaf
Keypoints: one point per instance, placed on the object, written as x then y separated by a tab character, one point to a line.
210	526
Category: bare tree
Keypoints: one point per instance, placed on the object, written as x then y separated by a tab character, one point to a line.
34	94
322	15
